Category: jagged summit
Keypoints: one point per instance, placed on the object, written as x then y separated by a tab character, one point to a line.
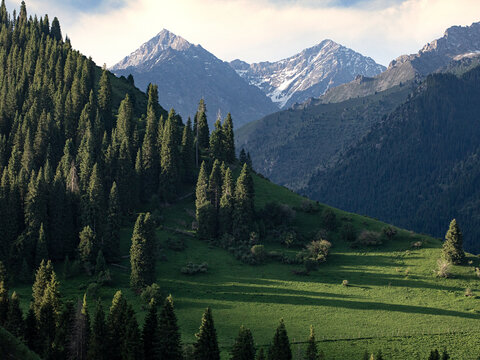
307	74
152	49
185	73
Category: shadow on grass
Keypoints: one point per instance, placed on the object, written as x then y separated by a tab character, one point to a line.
246	294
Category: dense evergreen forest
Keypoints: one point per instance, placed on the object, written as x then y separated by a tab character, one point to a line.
419	168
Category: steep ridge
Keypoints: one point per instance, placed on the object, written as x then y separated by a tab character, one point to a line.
457	42
186	73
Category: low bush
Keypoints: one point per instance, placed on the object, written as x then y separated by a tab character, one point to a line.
308	206
345	283
151	292
193	269
259	253
389	232
368	238
443	268
318	250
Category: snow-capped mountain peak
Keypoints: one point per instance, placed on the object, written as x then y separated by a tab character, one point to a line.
307	74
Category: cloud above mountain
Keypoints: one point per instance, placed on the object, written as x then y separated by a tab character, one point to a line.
258	30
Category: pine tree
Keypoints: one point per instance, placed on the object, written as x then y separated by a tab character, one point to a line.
206	347
14	322
280	347
150	333
453	246
244	348
142	257
99	333
229	141
169	333
243	206
205	212
226	204
112	231
312	351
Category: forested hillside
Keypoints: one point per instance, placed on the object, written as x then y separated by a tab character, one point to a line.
291	145
419	167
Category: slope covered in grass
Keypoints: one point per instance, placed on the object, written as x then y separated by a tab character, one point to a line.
393	301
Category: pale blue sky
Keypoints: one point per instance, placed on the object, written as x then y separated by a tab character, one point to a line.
256	30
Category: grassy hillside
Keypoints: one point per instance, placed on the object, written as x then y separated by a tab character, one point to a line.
289	146
393	301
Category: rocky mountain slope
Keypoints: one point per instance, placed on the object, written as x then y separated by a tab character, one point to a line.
185	73
307	74
456	43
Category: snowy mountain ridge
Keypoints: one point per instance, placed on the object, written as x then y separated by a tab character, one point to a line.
307	74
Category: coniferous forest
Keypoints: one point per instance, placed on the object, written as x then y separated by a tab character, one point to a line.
130	232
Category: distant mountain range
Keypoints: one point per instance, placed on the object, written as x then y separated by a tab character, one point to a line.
307	74
291	145
457	42
186	73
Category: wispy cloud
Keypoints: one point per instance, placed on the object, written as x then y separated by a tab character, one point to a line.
258	30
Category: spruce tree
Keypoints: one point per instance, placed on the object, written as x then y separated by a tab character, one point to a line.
201	126
87	248
217	142
99	333
312	351
4	303
169	333
445	355
31	335
41	250
229	141
205	212
125	120
14	322
81	332
280	347
244	205
150	154
132	347
105	100
116	326
206	347
243	348
169	158
187	153
150	334
63	333
215	183
261	355
142	253
453	246
112	232
42	278
434	355
226	204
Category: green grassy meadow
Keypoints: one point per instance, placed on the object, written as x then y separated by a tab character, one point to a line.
393	301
